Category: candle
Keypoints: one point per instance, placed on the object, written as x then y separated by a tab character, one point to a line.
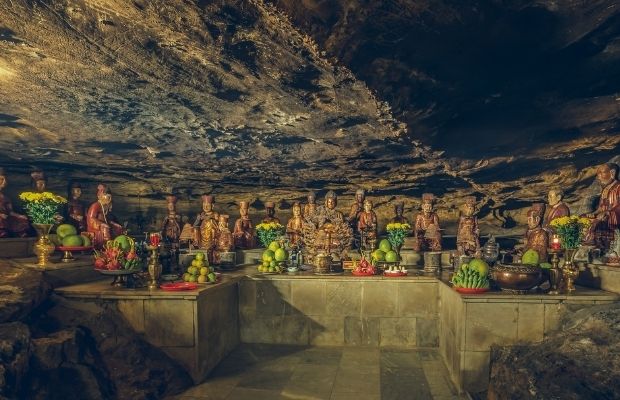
555	242
155	239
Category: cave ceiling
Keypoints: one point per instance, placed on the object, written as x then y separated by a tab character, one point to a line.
500	99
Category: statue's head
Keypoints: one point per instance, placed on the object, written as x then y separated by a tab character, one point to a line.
311	198
535	215
554	196
469	207
207	202
104	194
399	209
3	180
367	205
76	190
360	195
244	208
223	221
427	202
38	180
296	210
331	200
606	173
270	208
171	201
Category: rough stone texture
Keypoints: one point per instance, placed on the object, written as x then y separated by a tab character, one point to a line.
582	361
15	351
21	291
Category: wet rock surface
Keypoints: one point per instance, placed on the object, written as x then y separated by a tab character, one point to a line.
581	361
21	291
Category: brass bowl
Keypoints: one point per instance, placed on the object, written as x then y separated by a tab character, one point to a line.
516	278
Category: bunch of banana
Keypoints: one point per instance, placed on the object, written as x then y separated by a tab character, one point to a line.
470	278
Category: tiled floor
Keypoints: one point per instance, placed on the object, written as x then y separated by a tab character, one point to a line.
257	372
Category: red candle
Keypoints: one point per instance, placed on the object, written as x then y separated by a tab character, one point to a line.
555	243
155	239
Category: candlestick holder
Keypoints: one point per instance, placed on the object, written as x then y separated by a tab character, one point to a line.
154	267
555	273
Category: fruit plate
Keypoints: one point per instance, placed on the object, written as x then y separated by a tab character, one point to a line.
178	286
170	277
465	290
394	274
218	279
118	271
74	248
356	273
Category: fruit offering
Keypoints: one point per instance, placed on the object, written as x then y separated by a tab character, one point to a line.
199	270
114	257
364	267
66	235
273	258
470	277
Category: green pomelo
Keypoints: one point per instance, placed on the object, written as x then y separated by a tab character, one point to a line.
86	241
391	256
72	240
545	265
378	255
124	242
268	255
530	257
273	246
65	230
199	256
385	246
479	265
280	255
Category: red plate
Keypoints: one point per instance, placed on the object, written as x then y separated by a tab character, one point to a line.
177	286
74	248
394	274
354	272
466	290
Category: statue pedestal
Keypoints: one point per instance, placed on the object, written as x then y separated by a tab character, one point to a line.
17	247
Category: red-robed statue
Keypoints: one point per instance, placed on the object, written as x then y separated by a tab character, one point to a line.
11	223
100	223
606	218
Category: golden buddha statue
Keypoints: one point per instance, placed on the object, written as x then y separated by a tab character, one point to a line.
243	233
468	232
310	208
205	227
11	223
295	225
426	229
270	209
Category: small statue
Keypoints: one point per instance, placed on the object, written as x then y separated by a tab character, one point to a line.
468	232
356	208
205	227
100	222
171	226
310	208
225	241
426	230
399	209
270	209
11	223
294	227
536	238
76	209
557	208
38	181
328	211
367	226
606	218
244	229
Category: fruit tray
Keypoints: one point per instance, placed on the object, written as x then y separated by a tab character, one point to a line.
74	248
394	274
356	273
178	286
465	290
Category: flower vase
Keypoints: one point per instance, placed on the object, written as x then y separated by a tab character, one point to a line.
43	248
569	271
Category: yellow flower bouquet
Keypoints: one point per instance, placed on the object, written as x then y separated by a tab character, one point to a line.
570	230
396	233
42	208
268	232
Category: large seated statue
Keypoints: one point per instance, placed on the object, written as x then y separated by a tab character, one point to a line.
606	218
100	222
536	238
11	223
426	229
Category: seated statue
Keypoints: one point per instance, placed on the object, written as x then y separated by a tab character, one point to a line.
367	226
399	209
557	208
606	218
270	209
100	222
426	228
294	227
310	208
11	223
243	233
536	238
468	232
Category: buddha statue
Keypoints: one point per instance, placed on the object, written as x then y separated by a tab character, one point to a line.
399	209
294	227
11	223
225	241
606	218
328	211
356	209
76	209
38	181
557	208
367	226
100	222
243	233
270	209
468	232
171	226
536	238
205	227
310	208
426	229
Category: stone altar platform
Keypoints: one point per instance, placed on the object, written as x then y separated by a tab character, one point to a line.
59	273
17	247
